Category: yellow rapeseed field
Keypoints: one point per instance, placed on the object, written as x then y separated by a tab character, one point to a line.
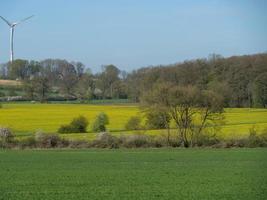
26	119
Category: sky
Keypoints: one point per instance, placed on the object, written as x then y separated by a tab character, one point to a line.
133	33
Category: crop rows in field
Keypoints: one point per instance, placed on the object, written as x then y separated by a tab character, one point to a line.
134	174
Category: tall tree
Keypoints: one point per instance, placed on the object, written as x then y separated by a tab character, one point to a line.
68	78
107	80
185	104
260	90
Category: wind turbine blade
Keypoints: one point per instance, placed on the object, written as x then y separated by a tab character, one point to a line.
8	23
23	20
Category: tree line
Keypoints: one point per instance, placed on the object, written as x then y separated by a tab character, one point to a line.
240	80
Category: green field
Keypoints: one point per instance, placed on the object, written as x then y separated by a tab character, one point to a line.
134	174
25	119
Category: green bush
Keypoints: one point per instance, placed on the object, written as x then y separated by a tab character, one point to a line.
134	123
77	125
206	139
100	123
65	129
157	120
257	140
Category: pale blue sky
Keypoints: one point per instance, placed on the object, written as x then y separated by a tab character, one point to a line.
133	33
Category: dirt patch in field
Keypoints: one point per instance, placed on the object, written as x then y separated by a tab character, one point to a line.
9	82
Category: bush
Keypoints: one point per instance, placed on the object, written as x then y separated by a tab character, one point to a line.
78	144
28	142
157	120
105	140
100	123
206	140
77	125
135	141
6	135
44	140
65	129
257	140
134	123
165	140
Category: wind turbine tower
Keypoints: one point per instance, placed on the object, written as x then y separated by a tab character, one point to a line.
12	27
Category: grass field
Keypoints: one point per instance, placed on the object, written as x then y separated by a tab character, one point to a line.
25	119
134	174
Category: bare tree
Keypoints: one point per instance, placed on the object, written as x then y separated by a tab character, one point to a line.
185	105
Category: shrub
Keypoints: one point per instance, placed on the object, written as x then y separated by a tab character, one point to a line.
77	125
253	140
78	144
65	129
257	140
135	141
164	140
6	135
206	140
100	122
134	123
44	140
28	142
157	120
105	140
263	137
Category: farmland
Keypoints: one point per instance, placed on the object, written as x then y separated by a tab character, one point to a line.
134	174
25	119
9	83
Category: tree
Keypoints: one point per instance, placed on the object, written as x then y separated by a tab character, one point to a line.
22	69
85	87
260	90
42	87
4	71
68	78
37	85
18	69
107	80
185	104
210	108
29	88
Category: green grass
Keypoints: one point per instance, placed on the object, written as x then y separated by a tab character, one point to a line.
134	174
25	119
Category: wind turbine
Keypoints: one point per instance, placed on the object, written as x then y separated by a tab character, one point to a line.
12	27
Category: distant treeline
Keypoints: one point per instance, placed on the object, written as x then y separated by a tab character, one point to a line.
241	80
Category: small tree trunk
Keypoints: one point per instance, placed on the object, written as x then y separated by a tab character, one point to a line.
168	136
